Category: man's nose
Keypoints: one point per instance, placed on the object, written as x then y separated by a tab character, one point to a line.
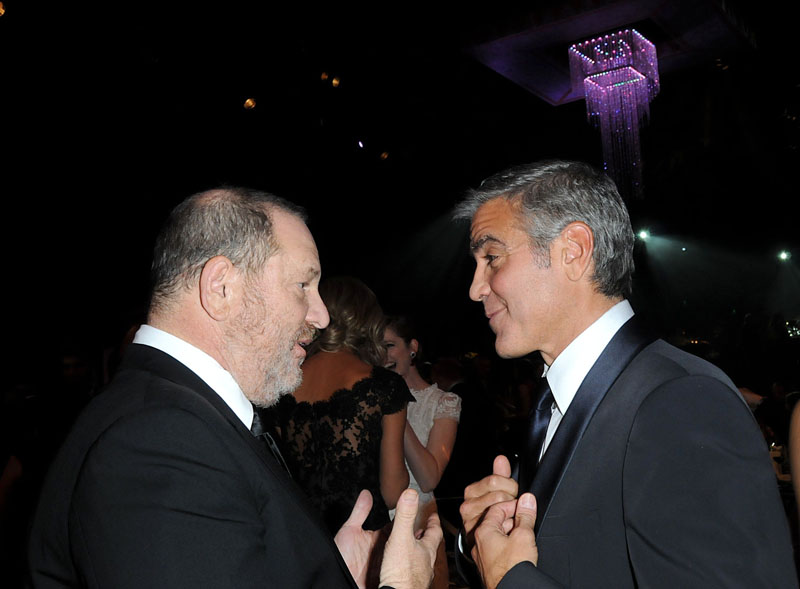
317	312
479	287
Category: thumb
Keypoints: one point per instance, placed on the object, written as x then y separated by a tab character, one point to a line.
433	533
501	466
525	516
406	512
360	510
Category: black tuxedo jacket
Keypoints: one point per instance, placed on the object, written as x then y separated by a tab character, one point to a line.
657	476
160	485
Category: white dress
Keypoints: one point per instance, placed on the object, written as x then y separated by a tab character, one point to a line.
431	403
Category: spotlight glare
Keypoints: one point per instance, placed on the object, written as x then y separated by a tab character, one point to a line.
644	234
784	255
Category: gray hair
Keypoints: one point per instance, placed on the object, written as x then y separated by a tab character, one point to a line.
232	222
552	194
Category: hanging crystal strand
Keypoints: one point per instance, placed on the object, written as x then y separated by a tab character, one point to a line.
619	74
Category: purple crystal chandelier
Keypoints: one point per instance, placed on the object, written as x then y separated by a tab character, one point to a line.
619	74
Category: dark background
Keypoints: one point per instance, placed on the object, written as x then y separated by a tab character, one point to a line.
114	112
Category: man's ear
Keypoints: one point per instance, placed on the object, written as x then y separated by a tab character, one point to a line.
578	246
216	287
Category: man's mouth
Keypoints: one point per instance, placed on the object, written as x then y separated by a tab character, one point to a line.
304	339
306	336
490	315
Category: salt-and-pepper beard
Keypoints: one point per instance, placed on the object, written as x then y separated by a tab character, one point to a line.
284	374
266	366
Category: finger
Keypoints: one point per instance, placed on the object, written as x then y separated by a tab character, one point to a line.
525	515
501	471
433	535
508	526
501	466
360	510
473	509
498	514
406	512
490	484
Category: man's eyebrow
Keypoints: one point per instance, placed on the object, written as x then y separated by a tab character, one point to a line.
475	245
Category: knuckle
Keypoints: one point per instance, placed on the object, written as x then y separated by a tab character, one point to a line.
499	497
494	482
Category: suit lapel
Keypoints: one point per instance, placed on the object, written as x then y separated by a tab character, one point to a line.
623	347
154	360
141	357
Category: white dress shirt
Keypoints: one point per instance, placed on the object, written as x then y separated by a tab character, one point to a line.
570	368
203	365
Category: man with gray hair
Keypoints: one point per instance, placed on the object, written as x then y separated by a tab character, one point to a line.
644	466
166	479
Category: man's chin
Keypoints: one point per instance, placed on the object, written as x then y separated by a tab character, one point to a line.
509	351
274	389
266	400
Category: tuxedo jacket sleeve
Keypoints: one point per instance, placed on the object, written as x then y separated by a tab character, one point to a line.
668	486
160	485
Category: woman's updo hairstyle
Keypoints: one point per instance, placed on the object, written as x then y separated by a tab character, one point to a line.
357	321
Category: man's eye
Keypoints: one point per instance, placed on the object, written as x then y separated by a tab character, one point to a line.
489	258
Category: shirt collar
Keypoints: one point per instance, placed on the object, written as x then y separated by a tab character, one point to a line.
203	365
568	370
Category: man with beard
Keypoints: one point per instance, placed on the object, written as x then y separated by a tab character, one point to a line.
162	483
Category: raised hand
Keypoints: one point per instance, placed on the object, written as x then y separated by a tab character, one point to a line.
498	487
408	560
505	538
356	544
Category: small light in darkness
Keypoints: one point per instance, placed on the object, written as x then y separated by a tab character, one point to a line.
324	76
250	104
385	155
2	9
683	249
644	234
361	145
784	255
335	82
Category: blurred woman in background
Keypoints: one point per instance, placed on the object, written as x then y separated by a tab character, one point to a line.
431	429
343	428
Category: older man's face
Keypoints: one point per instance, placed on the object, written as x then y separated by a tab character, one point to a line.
278	314
519	295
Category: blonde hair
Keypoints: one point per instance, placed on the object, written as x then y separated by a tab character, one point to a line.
357	321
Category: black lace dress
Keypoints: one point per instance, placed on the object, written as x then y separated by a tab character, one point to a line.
332	447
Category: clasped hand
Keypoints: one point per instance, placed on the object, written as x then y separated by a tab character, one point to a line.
407	559
499	526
